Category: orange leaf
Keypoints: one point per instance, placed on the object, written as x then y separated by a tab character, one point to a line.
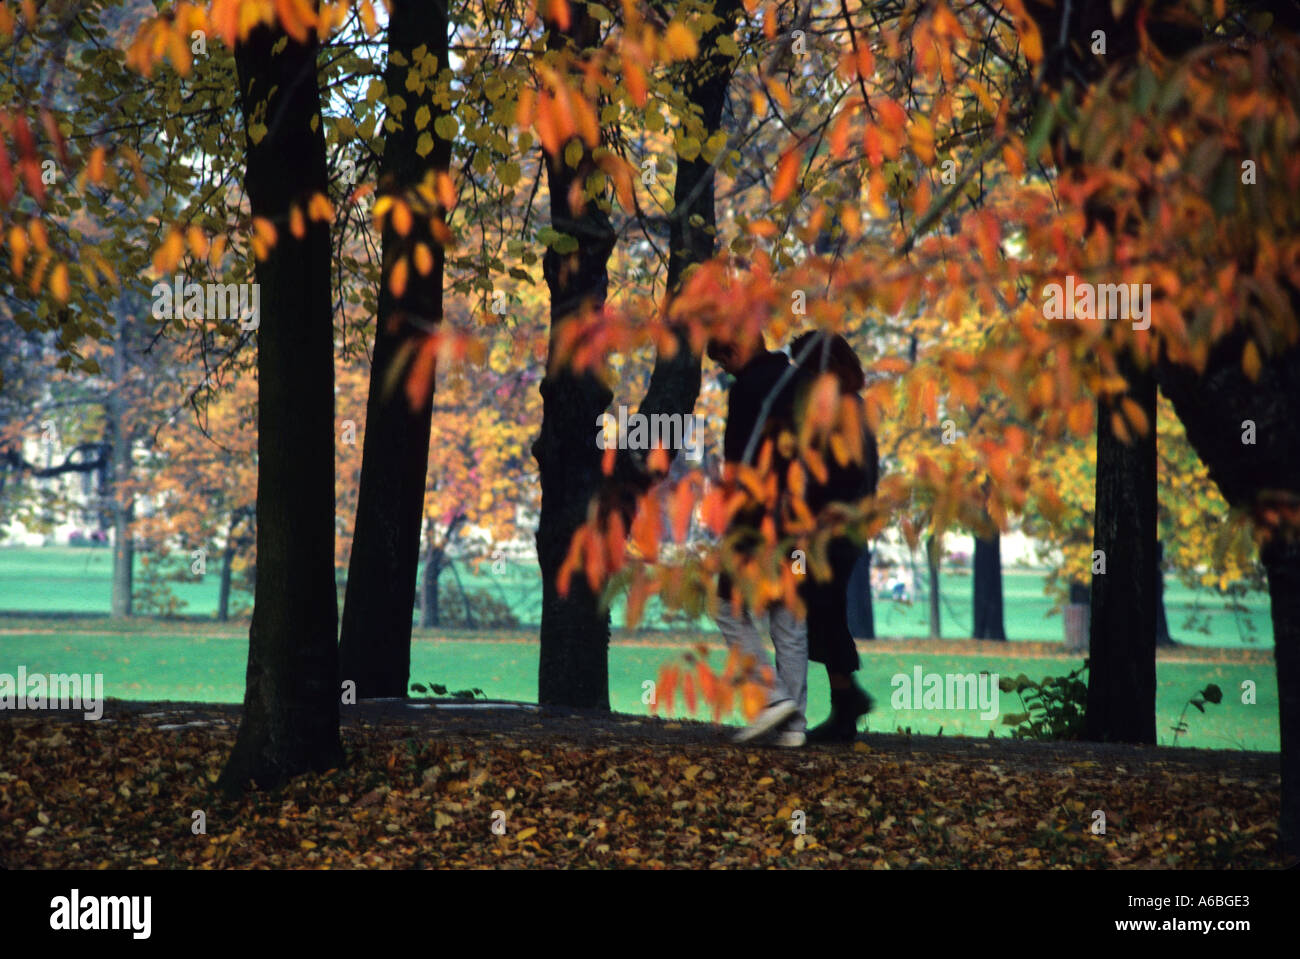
397	277
787	172
419	379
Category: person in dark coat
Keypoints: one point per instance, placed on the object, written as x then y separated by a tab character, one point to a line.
829	640
759	407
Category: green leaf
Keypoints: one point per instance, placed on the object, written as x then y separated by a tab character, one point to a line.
446	127
424	146
509	173
422	117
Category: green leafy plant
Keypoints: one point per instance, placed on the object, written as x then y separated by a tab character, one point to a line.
1210	694
439	691
1053	708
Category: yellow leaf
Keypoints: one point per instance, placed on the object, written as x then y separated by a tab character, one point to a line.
528	833
59	283
680	41
308	844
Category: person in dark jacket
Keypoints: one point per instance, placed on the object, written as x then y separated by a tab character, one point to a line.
829	640
759	406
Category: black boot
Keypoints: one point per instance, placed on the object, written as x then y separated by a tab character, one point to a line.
847	707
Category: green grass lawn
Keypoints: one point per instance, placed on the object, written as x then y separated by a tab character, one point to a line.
162	666
161	661
66	579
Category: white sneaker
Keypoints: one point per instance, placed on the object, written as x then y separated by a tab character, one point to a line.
767	720
790	739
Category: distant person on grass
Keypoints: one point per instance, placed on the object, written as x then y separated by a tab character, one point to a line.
829	640
761	377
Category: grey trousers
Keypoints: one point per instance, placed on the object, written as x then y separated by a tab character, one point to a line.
789	639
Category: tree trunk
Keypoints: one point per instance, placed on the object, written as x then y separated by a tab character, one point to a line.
988	620
120	465
290	721
1122	673
123	561
861	614
573	668
1259	476
223	593
675	381
429	616
375	650
932	552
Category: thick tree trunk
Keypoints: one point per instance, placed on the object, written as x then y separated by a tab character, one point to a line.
290	720
375	650
861	613
1122	673
573	668
932	554
988	620
1245	433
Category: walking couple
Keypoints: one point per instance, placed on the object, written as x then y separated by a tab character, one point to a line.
771	395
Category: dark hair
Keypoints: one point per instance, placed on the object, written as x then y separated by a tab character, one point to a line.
840	358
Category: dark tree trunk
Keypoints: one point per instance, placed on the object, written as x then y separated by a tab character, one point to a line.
290	721
223	592
988	620
675	382
1281	559
429	615
375	650
1260	476
932	551
1122	673
573	668
861	613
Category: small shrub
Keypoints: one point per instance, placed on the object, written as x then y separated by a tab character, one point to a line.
1053	708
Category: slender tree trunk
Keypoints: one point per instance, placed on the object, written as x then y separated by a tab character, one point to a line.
121	463
290	720
223	593
429	615
932	553
988	620
123	561
675	381
375	650
1122	673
